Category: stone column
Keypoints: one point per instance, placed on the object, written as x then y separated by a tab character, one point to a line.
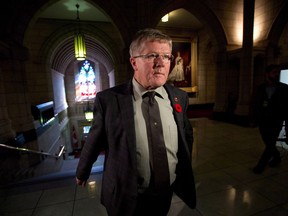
6	131
246	68
17	96
221	83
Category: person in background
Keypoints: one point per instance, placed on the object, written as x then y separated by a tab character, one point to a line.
269	110
120	130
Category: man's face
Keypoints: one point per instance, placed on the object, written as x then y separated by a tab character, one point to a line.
151	72
274	75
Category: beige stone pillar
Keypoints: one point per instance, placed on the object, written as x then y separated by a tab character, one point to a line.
221	83
6	131
246	68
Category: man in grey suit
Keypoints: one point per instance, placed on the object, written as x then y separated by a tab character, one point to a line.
119	129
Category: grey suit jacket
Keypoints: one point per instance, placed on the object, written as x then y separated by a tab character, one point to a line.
113	131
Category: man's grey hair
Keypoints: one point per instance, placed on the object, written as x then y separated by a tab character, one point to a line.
148	35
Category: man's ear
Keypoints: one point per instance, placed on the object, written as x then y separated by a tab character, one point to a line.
133	63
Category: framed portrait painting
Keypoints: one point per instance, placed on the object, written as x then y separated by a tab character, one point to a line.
183	68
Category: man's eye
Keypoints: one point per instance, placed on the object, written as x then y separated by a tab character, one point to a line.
152	56
167	57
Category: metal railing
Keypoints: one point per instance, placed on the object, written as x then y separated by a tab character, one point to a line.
57	156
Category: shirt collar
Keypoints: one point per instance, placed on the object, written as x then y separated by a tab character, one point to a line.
139	90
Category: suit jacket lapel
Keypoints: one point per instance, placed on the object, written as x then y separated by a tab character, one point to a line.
179	117
127	113
173	99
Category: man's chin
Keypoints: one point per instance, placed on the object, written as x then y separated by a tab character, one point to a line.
158	83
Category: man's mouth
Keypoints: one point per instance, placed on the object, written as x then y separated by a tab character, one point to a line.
158	73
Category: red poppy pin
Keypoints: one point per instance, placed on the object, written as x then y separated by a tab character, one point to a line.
177	106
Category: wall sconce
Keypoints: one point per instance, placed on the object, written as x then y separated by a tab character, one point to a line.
88	113
165	18
79	42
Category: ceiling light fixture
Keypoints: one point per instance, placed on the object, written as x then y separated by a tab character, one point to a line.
79	41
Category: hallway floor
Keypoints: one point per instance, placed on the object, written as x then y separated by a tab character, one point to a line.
223	157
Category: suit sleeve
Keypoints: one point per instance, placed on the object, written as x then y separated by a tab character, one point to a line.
95	143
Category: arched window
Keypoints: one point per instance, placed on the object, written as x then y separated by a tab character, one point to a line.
85	82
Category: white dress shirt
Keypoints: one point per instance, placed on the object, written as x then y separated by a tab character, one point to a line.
169	131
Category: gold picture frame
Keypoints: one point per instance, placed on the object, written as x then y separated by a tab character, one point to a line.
183	71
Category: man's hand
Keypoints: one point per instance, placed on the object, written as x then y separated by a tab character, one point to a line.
80	182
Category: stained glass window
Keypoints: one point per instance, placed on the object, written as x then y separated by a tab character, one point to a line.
85	82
